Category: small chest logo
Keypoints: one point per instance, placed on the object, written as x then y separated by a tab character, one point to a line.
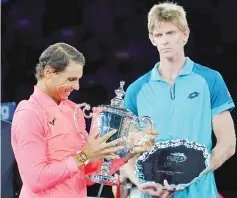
52	122
193	95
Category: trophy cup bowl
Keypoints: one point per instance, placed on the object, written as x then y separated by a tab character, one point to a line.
114	116
180	162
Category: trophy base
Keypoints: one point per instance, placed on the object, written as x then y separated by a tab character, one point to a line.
105	180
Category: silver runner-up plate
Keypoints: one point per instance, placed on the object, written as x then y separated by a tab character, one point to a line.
180	162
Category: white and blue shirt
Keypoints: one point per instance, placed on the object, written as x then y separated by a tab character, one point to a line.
183	111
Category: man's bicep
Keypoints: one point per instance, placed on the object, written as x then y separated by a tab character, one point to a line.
221	99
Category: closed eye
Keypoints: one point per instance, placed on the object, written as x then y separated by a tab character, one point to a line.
73	79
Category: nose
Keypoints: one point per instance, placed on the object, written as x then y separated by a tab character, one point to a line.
75	86
164	40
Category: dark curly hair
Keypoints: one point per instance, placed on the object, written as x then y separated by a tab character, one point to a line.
58	56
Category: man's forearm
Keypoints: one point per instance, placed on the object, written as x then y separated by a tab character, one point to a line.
220	154
223	127
129	170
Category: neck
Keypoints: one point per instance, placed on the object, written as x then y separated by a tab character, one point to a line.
43	87
170	67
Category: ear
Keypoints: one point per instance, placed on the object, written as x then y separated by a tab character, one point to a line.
48	72
152	39
186	35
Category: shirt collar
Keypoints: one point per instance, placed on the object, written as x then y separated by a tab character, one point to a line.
186	70
43	98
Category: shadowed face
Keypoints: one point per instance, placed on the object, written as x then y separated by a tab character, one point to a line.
168	39
60	85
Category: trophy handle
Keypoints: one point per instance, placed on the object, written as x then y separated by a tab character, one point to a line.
84	107
146	119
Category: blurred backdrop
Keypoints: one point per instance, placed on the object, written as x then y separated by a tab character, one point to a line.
113	36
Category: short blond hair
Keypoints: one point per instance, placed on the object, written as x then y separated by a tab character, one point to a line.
170	12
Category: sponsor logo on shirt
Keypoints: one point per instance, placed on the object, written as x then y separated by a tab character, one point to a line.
52	122
193	95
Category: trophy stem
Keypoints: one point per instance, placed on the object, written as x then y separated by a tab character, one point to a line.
103	176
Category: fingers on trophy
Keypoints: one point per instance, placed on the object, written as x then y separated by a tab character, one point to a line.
143	140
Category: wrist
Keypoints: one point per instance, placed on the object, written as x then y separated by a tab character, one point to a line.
129	156
78	162
213	164
82	158
139	185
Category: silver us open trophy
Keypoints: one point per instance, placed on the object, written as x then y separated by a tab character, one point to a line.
114	116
